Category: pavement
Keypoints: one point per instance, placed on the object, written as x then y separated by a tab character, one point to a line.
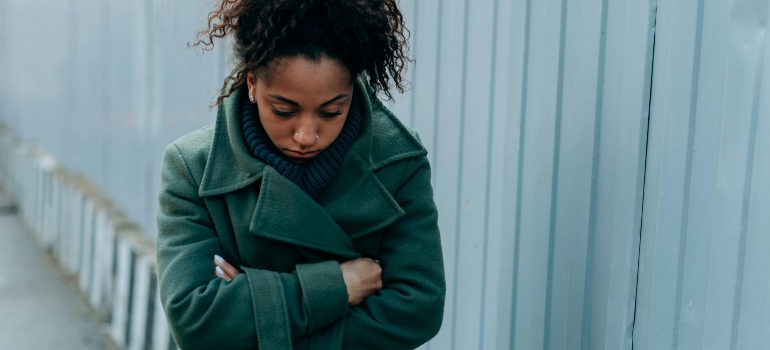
40	305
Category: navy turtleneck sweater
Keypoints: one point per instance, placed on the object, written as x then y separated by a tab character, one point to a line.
319	172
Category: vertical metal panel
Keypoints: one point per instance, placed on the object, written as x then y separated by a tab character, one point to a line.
4	71
88	92
579	105
182	84
704	274
31	73
445	161
126	106
458	103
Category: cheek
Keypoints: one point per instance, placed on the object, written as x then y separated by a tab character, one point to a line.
332	128
275	127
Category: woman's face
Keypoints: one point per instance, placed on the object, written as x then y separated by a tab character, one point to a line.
304	104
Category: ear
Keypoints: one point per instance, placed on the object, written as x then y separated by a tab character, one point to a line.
251	82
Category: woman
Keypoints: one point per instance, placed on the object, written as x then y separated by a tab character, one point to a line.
304	217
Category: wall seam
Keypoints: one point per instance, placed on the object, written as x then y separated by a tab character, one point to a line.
490	128
520	172
591	239
461	142
555	177
654	10
436	98
746	202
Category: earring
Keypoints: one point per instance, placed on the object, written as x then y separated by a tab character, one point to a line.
251	98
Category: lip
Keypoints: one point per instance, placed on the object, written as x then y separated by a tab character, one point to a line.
297	154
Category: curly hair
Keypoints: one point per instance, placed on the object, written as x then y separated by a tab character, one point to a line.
364	36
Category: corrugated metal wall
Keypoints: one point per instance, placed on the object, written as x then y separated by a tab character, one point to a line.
535	114
459	105
704	276
581	73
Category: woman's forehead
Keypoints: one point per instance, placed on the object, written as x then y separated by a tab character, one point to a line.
303	80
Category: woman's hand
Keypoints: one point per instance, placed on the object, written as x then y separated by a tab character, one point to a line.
363	277
224	270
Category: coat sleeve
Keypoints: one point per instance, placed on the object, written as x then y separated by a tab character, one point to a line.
258	307
408	311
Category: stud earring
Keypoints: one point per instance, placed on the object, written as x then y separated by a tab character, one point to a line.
251	98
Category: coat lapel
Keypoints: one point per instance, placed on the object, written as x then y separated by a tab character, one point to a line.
285	213
229	166
357	200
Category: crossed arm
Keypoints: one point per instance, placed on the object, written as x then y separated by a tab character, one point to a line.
362	276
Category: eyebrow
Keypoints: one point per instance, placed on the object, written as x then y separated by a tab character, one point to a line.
293	103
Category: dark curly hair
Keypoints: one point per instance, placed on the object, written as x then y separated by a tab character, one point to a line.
364	36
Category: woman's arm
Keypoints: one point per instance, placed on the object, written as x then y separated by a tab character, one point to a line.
408	311
362	276
257	307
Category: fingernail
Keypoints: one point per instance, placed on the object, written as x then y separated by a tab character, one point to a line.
220	272
219	259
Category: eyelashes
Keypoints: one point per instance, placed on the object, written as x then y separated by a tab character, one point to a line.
331	114
287	114
282	114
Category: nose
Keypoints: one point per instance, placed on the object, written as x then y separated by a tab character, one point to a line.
306	135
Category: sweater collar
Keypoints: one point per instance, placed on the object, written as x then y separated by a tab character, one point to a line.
315	175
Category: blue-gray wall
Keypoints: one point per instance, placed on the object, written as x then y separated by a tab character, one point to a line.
704	269
575	172
601	167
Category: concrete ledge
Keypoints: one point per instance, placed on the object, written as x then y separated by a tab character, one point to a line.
114	263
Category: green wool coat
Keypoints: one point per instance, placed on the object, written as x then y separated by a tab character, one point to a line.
215	198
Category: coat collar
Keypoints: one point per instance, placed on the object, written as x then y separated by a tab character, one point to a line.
230	167
284	212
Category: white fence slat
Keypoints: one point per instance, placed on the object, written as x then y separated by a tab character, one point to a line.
76	225
121	297
140	304
101	280
86	246
160	331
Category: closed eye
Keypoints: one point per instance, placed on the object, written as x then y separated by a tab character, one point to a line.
330	114
283	113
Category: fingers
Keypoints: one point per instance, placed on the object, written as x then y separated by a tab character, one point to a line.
224	269
363	278
221	274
